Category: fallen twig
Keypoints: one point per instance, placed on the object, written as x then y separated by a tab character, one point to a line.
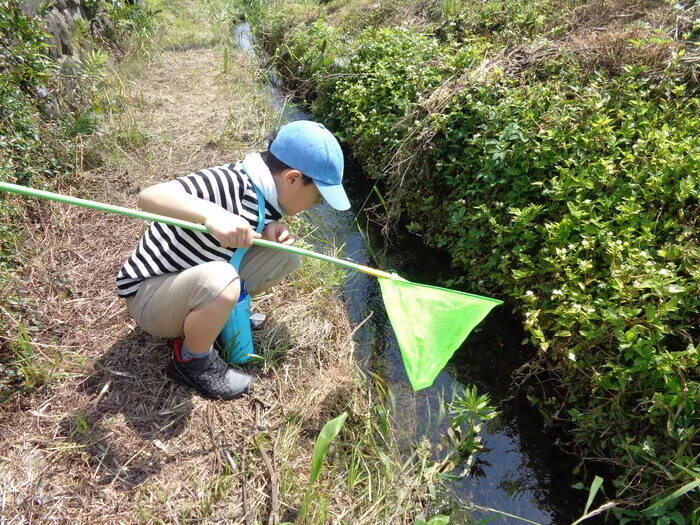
101	395
274	492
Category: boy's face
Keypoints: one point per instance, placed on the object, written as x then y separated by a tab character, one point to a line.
293	195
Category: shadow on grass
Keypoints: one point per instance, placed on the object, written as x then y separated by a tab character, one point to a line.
134	409
132	425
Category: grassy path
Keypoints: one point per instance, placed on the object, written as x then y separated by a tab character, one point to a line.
101	436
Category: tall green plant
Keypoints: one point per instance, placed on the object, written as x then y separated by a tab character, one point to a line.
328	433
469	410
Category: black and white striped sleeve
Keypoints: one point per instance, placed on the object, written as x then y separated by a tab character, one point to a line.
219	185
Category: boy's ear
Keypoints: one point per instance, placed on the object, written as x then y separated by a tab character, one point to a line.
291	176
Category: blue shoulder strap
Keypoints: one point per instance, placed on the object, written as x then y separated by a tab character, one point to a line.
240	252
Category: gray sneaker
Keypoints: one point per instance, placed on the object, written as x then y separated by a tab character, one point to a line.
210	376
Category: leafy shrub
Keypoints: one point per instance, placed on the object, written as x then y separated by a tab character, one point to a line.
579	200
510	22
37	146
375	91
27	145
30	148
280	19
127	19
308	56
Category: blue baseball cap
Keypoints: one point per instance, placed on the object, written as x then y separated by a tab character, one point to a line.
313	150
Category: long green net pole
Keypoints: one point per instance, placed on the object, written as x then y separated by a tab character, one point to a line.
138	214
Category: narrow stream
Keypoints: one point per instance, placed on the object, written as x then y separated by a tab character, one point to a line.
522	471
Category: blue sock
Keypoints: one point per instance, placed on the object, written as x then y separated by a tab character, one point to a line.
186	354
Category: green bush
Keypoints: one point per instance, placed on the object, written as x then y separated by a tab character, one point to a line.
37	148
30	148
26	144
574	193
579	201
280	19
370	95
577	198
308	56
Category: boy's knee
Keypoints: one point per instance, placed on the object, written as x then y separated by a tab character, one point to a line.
231	293
292	263
224	281
270	272
214	281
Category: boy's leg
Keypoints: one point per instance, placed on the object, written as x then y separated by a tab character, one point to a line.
202	326
163	303
195	303
262	268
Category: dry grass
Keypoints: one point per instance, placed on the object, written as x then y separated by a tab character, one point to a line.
107	438
599	33
602	34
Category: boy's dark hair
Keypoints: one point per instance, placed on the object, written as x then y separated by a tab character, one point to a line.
275	165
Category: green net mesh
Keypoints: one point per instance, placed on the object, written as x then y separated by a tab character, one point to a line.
430	324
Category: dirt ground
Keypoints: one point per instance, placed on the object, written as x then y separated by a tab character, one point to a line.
105	437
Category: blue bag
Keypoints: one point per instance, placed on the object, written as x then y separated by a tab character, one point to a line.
235	341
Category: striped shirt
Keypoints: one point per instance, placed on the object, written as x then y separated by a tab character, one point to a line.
167	249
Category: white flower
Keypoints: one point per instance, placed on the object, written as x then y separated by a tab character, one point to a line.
557	292
572	356
529	293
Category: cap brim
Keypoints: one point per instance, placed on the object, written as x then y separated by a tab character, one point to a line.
334	195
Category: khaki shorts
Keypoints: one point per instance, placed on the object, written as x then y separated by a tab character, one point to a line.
162	303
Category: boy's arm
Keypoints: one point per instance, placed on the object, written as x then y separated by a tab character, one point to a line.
171	199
